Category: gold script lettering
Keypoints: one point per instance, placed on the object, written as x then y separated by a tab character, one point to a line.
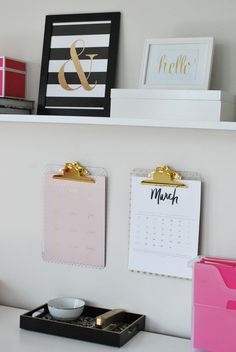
180	66
162	64
78	68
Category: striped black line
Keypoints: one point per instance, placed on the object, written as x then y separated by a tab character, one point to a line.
73	78
64	53
82	29
75	102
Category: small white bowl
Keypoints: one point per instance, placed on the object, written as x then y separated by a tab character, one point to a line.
66	308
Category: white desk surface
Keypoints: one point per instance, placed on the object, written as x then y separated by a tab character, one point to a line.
12	338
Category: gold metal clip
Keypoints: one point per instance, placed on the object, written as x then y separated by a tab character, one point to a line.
73	171
164	176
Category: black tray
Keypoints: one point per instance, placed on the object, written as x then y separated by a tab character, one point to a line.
84	328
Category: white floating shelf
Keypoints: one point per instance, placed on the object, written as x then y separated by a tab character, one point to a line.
228	126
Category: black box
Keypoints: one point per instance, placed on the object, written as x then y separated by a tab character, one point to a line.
40	320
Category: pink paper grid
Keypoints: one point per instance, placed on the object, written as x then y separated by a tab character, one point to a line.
74	227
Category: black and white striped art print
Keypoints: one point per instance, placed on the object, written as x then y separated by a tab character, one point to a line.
78	64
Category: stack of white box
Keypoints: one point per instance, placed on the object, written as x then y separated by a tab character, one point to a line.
181	105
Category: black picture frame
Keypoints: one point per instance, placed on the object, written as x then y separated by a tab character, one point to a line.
78	64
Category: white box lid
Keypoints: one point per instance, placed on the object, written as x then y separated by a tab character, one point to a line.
172	94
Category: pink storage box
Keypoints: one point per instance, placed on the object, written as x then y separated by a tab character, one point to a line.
214	315
12	78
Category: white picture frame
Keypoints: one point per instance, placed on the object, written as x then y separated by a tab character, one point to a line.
177	63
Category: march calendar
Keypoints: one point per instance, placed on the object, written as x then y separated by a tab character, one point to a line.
164	227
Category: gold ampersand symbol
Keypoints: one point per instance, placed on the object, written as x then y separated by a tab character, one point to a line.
74	56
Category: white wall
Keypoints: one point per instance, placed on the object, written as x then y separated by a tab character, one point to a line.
22	28
25	149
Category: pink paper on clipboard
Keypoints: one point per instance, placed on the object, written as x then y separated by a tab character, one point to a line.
74	221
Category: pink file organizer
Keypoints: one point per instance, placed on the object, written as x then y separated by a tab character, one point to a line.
214	319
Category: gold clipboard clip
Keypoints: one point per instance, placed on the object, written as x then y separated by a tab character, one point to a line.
73	171
164	176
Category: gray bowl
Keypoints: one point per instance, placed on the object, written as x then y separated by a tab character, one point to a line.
66	308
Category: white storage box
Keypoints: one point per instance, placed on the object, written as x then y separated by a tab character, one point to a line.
181	105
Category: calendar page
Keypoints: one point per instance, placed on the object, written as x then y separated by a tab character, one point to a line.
164	227
74	221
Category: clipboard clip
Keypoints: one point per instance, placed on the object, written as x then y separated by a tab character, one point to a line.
164	176
73	171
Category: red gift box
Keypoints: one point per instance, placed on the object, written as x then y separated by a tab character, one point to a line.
12	78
